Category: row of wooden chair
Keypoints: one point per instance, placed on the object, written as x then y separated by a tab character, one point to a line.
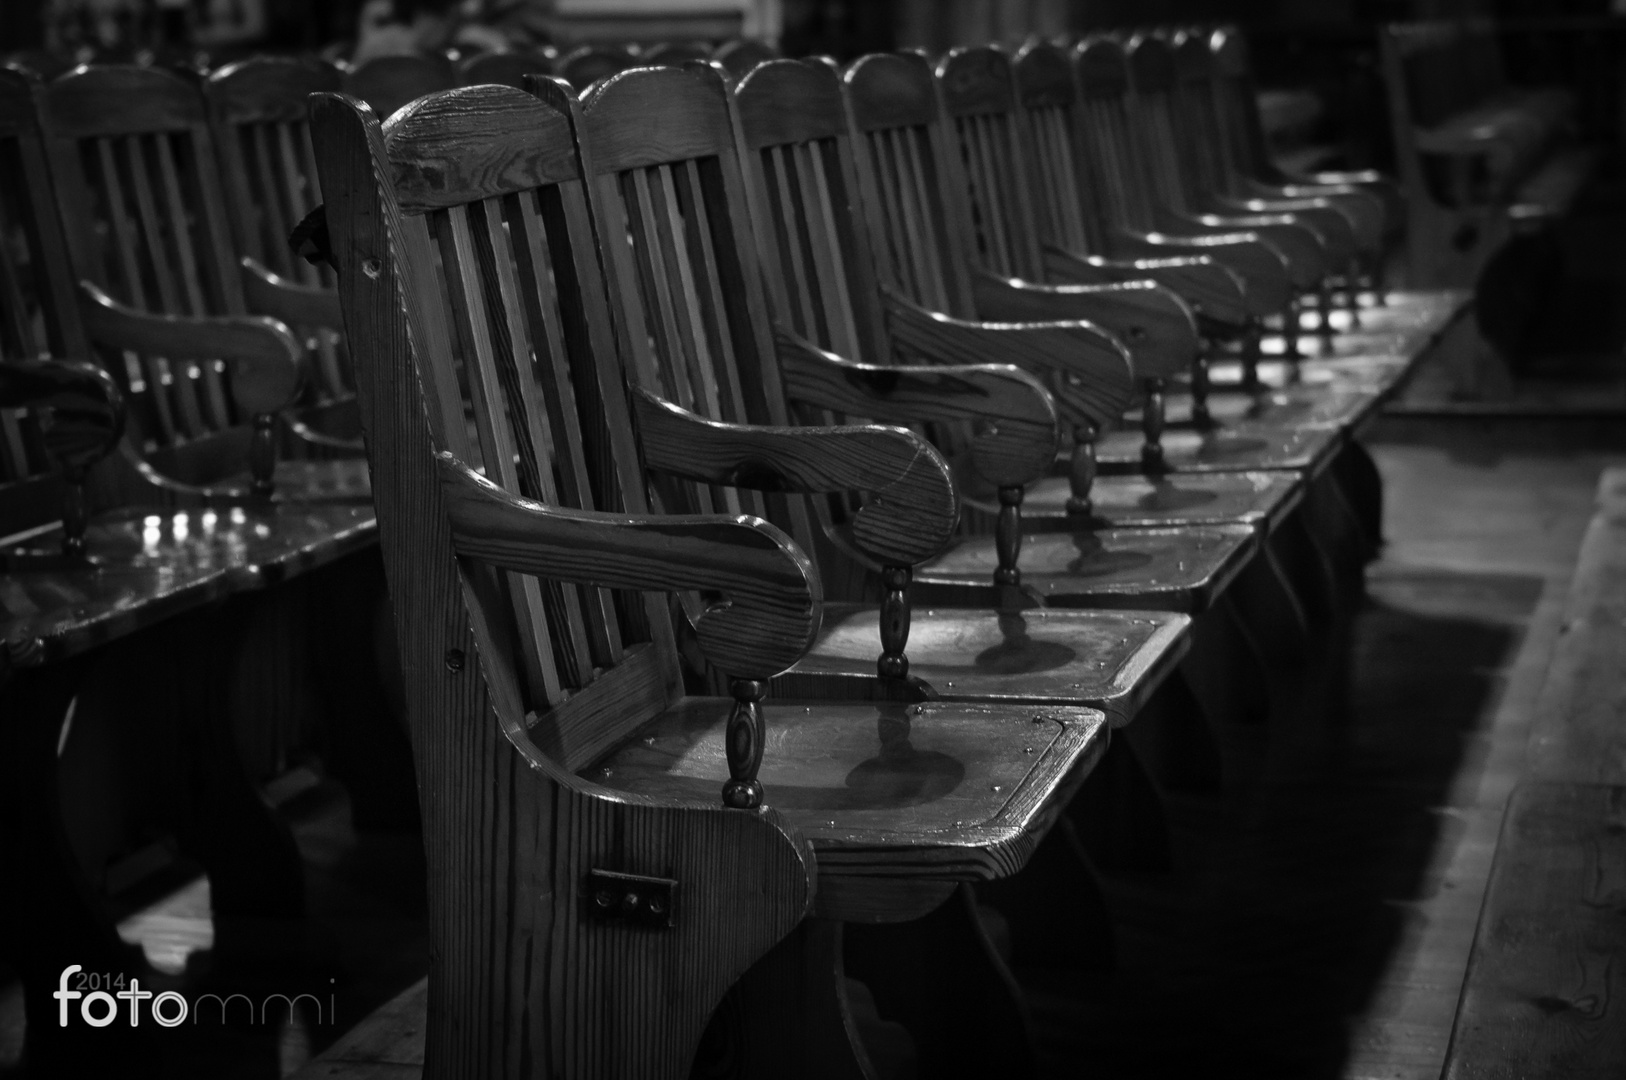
632	346
192	468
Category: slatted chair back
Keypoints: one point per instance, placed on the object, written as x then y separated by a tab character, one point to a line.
658	148
463	244
515	279
503	68
1069	198
36	301
1197	121
135	167
802	189
741	55
1236	104
581	67
1121	176
915	219
979	100
675	52
1154	79
268	166
389	82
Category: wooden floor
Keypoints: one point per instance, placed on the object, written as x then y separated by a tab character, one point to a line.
1321	914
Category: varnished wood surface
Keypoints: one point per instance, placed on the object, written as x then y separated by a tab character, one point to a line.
149	566
264	89
940	789
1260	499
1111	660
1174	569
1545	982
389	82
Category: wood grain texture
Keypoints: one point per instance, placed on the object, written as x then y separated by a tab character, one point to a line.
389	82
305	306
1213	290
1014	436
263	357
109	99
912	509
263	89
789	101
1157	326
474	143
77	407
623	131
1544	984
524	982
770	606
587	64
1092	375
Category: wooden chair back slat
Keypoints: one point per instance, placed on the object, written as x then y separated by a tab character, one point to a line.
1120	174
979	98
497	221
740	56
901	171
146	214
671	207
1151	111
801	185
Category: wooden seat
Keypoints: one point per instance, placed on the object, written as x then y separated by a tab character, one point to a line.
582	673
389	82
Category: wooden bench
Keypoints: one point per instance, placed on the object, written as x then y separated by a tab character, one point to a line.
1544	984
1480	160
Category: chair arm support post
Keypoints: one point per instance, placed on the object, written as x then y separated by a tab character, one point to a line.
743	741
1081	471
1008	536
894	662
1154	418
1201	418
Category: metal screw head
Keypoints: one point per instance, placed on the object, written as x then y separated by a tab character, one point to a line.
657	906
602	899
454	659
371	267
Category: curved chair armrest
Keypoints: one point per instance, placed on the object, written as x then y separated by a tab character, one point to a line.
1345	228
1300	246
769	603
1213	291
1014	436
78	407
1258	262
304	306
912	507
1091	372
1158	326
264	358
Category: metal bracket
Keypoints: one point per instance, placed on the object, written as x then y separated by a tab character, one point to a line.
634	898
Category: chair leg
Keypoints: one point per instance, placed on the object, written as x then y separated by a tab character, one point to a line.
50	916
1175	739
1223	670
789	1016
1362	487
1274	615
941	977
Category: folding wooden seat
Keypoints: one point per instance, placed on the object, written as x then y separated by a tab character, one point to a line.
105	581
138	184
740	55
505	68
581	67
257	117
389	82
592	898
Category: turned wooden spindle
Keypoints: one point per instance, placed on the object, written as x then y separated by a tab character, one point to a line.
262	454
743	744
1008	535
1200	387
1153	419
1081	471
894	623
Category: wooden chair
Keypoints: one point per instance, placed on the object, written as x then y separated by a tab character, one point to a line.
740	55
105	582
506	68
603	836
257	116
138	184
389	82
583	66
